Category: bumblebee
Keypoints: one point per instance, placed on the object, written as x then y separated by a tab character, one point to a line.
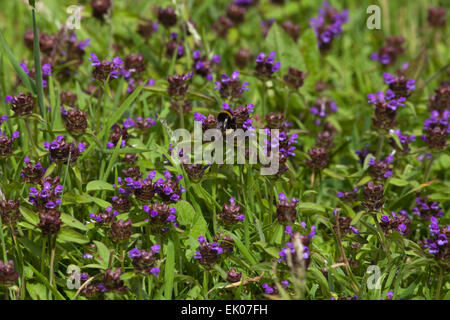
226	121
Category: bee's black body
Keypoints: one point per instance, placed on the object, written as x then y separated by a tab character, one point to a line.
226	121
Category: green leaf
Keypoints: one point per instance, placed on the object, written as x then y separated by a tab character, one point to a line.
103	253
37	66
69	235
194	222
310	53
121	110
29	215
43	279
68	220
242	248
26	80
357	217
333	174
398	182
311	207
99	185
287	51
112	161
169	270
37	291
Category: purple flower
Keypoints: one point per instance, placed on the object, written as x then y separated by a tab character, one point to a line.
134	253
328	25
266	65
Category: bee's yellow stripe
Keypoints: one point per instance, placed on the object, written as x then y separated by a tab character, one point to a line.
227	112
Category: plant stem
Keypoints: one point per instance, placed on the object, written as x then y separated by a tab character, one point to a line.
382	238
428	168
263	97
341	247
205	283
43	255
439	285
379	146
5	257
141	294
286	105
52	243
180	113
30	137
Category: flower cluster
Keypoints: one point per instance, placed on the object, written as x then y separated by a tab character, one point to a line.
328	25
399	84
174	46
318	158
167	17
8	275
349	196
322	108
203	66
6	143
46	195
405	140
345	224
46	199
426	208
272	289
22	104
266	65
295	78
100	8
231	88
438	244
75	120
9	211
121	229
160	215
139	124
286	210
178	85
230	214
233	276
116	134
104	218
147	28
195	171
293	247
144	261
398	222
62	152
106	70
373	196
381	170
292	29
363	153
390	51
436	17
46	72
440	100
235	15
208	252
32	173
436	129
242	116
386	106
